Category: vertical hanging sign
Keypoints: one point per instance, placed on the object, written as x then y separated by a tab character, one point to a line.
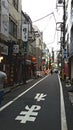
25	32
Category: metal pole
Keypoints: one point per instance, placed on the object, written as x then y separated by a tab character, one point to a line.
64	25
25	54
25	68
63	46
60	2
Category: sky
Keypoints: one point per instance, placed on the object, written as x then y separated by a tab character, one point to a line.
37	9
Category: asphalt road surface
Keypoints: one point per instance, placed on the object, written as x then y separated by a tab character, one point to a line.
39	106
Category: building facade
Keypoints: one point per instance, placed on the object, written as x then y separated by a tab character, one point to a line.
10	37
14	41
71	40
69	37
20	43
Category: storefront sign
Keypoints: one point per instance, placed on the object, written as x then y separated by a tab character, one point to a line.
3	49
28	62
4	18
15	48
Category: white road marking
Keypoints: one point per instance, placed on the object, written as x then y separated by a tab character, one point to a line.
10	102
40	96
63	114
29	114
6	105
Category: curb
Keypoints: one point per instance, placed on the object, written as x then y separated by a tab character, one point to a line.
8	89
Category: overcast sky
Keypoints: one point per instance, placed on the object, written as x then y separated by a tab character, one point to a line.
37	9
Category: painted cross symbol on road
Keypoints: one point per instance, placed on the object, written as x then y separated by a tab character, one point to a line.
40	97
29	115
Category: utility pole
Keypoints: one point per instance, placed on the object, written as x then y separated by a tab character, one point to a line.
63	46
64	18
62	2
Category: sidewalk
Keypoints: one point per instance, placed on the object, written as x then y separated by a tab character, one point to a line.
68	104
8	89
69	89
70	92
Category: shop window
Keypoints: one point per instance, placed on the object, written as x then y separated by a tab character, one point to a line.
12	28
15	3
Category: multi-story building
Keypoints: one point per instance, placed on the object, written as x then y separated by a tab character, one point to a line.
70	37
28	45
14	37
68	47
20	43
10	36
4	30
32	45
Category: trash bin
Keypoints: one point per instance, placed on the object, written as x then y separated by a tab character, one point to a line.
1	95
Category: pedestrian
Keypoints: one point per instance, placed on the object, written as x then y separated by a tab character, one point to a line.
3	79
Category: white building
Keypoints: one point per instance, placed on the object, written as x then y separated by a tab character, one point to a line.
69	35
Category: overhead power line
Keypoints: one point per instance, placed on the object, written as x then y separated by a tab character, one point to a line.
42	17
55	30
55	23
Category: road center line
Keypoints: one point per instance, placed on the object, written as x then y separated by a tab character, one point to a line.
10	102
63	114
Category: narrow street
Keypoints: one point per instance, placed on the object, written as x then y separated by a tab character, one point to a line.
39	106
36	44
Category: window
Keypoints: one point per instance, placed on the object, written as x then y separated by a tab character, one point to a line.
12	28
15	3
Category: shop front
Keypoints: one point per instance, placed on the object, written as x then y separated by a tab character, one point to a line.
4	66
